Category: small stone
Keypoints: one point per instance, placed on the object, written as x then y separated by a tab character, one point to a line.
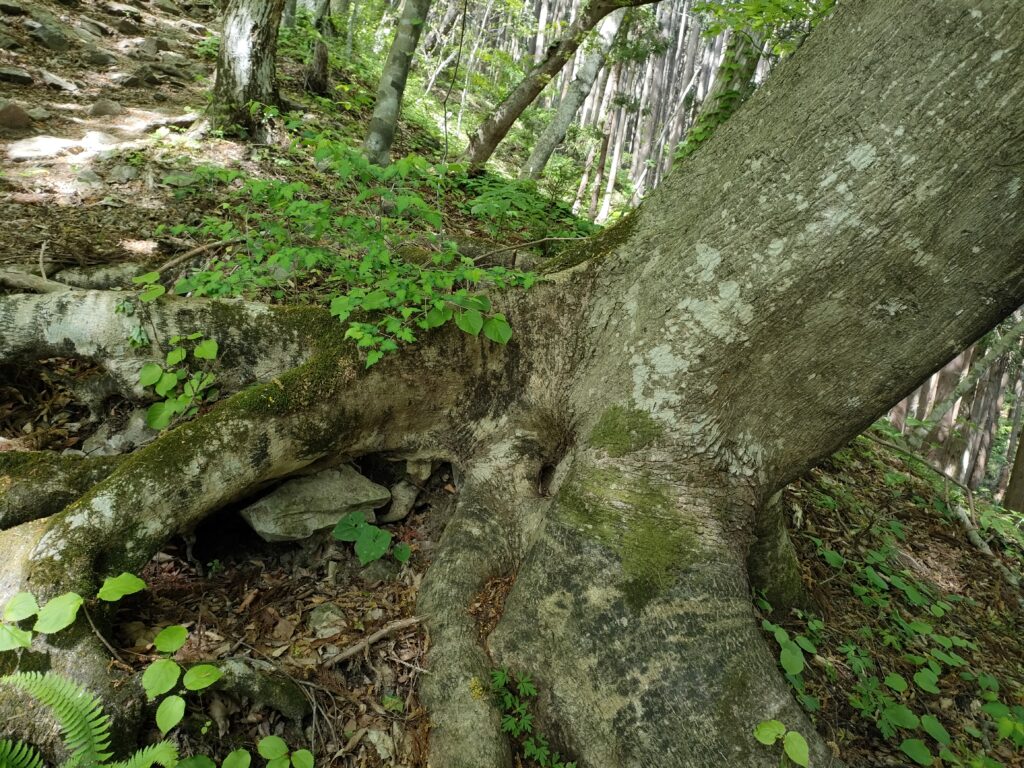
106	108
159	96
11	8
144	76
54	81
326	620
122	174
8	43
50	37
15	75
99	58
38	113
128	27
89	176
14	117
167	7
148	47
96	27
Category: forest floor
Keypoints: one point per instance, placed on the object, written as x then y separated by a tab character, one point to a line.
98	166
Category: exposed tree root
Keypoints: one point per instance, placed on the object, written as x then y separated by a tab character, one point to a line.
35	484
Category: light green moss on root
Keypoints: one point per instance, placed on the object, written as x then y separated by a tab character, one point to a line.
633	516
623	430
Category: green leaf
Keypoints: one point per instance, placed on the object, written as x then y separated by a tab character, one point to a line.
833	558
371	544
935	729
796	748
791	658
897	682
58	613
927	680
201	676
160	677
769	731
116	587
12	637
20	607
146	279
916	750
152	293
159	415
169	713
302	758
393	703
402	552
240	758
196	761
805	643
497	329
206	350
278	762
167	383
349	526
470	321
900	716
272	747
175	356
170	638
150	374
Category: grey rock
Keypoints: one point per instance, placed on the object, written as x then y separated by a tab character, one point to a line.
38	113
105	442
148	47
386	569
11	8
50	37
96	27
128	27
301	507
167	7
326	620
86	35
120	9
106	108
158	96
8	43
55	81
88	176
122	174
403	499
14	117
99	58
15	75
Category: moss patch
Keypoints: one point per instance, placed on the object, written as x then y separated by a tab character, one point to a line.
634	517
622	430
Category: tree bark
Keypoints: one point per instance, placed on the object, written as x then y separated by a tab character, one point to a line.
672	376
1014	497
245	65
392	82
491	131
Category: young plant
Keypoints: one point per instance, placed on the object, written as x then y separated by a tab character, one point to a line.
182	388
371	541
794	746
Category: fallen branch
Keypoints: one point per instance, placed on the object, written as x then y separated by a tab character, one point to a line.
28	282
366	642
182	258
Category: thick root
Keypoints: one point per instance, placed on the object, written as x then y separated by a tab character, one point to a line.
34	484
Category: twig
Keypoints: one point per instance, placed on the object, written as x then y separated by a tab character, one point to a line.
42	253
103	640
196	251
525	245
366	642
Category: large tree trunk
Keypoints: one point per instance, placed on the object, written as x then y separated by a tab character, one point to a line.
245	65
392	82
775	295
491	131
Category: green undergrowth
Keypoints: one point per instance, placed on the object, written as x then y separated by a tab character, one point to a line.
914	655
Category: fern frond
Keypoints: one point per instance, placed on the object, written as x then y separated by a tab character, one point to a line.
16	754
86	729
162	753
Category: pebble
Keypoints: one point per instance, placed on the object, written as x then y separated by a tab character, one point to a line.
55	81
11	8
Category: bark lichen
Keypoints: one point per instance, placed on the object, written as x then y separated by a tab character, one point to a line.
623	430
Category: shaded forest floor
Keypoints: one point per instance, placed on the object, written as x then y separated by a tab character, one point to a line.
906	626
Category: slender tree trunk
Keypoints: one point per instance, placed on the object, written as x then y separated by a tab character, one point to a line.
392	82
985	427
1016	420
245	65
1014	497
317	75
575	95
486	138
